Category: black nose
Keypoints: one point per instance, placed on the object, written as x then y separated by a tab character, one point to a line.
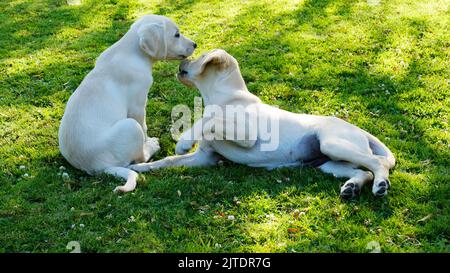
194	45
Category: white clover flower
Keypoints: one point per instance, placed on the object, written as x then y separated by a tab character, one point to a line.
65	175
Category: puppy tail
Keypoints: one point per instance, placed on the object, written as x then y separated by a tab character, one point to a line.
378	148
129	175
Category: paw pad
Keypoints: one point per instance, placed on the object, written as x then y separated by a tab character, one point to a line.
381	192
382	186
350	190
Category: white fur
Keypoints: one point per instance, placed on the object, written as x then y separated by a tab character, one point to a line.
217	76
104	126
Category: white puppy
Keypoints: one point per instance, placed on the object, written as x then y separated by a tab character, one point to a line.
328	143
104	128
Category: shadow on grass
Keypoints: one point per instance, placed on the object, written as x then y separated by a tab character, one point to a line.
35	23
46	19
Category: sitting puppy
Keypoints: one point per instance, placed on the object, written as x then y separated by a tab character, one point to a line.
328	143
103	129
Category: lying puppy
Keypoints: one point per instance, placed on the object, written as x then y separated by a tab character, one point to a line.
103	129
328	143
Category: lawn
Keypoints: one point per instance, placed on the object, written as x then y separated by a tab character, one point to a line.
383	66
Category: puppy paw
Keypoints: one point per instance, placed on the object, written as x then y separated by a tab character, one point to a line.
123	189
350	190
183	146
142	167
380	188
151	147
119	189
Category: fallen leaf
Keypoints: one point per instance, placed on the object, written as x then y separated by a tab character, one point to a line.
425	218
293	230
221	214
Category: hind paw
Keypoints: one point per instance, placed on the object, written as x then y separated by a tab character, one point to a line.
380	188
350	190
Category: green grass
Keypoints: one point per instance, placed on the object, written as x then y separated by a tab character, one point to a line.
384	68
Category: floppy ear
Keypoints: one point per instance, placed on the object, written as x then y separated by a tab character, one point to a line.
152	40
217	59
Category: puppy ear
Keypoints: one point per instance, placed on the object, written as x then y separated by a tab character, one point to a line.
215	59
152	40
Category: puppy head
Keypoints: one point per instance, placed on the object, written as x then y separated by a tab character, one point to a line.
211	67
160	38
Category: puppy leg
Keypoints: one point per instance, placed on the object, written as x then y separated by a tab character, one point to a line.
190	137
339	149
119	146
125	173
151	147
358	177
151	144
186	141
123	143
203	156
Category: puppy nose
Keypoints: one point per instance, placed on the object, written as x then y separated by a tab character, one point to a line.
194	45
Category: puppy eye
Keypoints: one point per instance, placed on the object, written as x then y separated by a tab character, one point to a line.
177	35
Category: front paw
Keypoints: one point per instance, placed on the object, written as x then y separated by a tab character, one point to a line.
151	147
120	189
142	167
184	146
152	144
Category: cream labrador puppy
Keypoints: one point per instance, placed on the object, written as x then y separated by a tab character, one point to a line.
328	143
104	129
